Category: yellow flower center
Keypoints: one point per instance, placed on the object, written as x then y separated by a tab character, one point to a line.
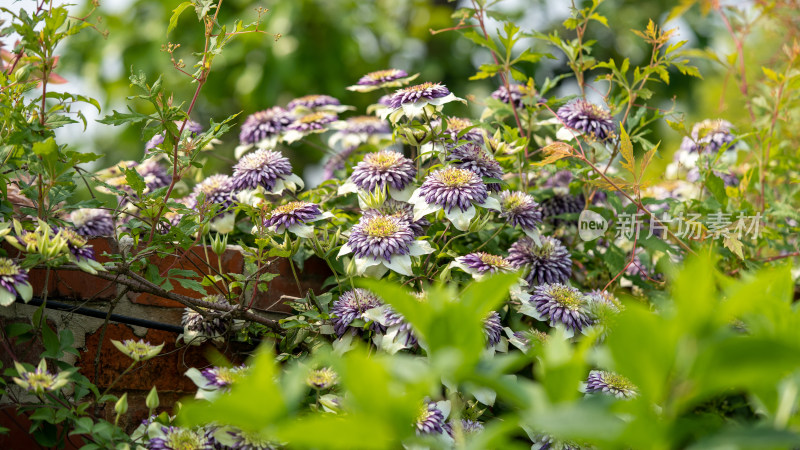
514	201
383	160
7	267
420	87
380	74
381	227
493	260
309	98
313	117
458	123
453	177
288	208
618	382
567	298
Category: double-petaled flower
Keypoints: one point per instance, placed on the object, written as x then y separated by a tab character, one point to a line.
173	438
515	95
481	264
13	282
388	78
520	209
411	101
710	136
198	328
383	242
40	380
473	157
316	103
608	383
92	222
321	379
295	217
313	122
457	192
587	119
215	380
548	260
385	169
430	420
263	129
137	350
560	306
265	169
352	305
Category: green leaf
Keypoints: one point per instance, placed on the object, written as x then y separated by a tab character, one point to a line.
626	150
176	14
191	284
135	180
51	343
253	401
717	188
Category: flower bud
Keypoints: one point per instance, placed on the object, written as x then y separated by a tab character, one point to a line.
152	399
121	407
219	244
351	270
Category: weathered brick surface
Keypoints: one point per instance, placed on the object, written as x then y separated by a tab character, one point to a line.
164	371
71	283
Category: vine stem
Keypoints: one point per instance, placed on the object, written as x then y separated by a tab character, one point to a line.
582	157
633	257
116	379
201	81
492	236
479	15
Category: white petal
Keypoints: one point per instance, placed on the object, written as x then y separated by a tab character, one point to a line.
460	219
385	112
224	224
419	248
302	230
422	209
377	271
565	134
491	203
325	215
375	314
402	196
400	264
483	395
293	179
445	407
348	187
241	150
343	344
344	250
529	310
292	136
533	233
463	267
414	109
362	264
446	99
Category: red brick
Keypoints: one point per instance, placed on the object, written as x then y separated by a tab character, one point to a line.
165	371
73	283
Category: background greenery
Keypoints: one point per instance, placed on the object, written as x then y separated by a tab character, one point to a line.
326	45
